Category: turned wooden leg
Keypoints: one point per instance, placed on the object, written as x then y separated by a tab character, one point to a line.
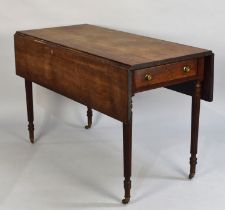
30	113
127	151
194	127
89	115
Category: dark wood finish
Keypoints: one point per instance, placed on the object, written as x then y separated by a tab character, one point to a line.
207	84
127	151
89	116
30	112
103	68
87	79
200	69
194	127
208	80
129	49
164	74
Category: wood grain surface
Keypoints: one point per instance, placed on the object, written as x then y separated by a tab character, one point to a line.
92	81
164	75
129	49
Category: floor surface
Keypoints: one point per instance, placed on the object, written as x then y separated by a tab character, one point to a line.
72	168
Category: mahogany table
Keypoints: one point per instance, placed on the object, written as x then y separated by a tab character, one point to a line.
103	68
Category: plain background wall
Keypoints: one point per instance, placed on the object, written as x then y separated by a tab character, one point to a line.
200	23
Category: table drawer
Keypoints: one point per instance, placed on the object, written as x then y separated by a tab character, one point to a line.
160	75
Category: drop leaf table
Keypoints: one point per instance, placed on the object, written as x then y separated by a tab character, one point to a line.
103	69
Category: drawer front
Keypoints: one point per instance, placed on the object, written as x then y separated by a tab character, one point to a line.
163	75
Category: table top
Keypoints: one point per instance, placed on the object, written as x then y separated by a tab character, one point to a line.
125	48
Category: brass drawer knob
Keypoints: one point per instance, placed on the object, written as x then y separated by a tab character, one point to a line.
148	77
186	69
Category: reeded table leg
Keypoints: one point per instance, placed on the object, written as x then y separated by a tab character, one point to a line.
127	150
89	115
30	113
194	127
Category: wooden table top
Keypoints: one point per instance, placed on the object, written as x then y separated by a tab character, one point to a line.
125	48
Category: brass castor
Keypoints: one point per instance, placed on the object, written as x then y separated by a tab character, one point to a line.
191	175
32	140
89	115
126	200
31	132
87	126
